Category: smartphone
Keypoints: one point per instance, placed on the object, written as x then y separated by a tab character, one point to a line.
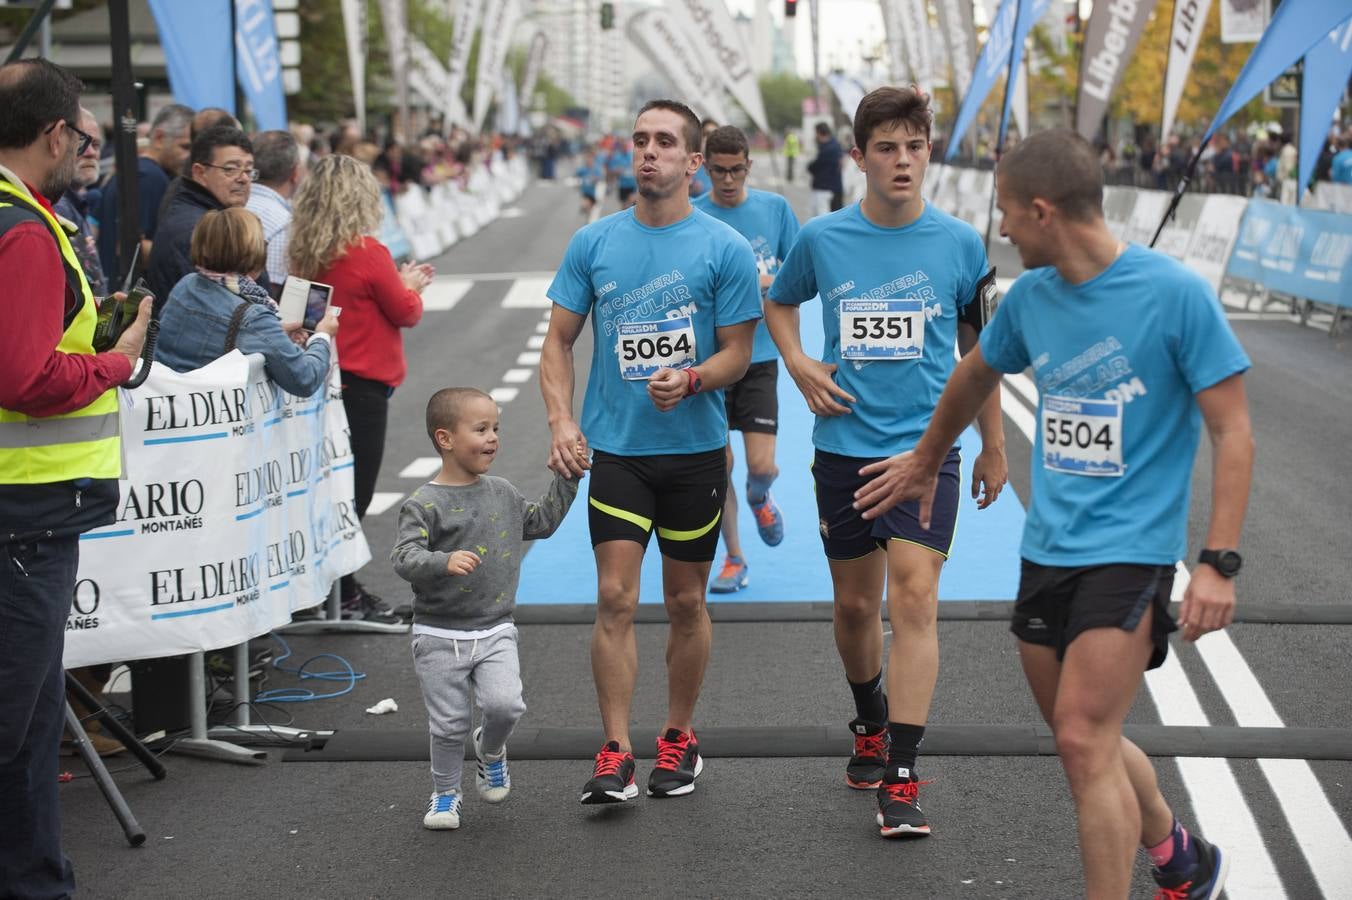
304	301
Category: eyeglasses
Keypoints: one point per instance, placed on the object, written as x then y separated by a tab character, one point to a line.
736	172
234	170
85	139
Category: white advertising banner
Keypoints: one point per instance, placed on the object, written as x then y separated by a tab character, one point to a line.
354	27
499	23
394	18
1189	20
710	26
535	61
236	510
467	16
682	61
955	21
916	32
1242	21
427	77
1214	235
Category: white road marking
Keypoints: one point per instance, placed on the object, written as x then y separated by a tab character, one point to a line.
535	341
422	467
501	276
517	376
528	293
444	293
382	501
1319	832
529	358
504	394
512	212
542	327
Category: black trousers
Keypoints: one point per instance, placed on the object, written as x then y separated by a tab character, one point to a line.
37	580
367	404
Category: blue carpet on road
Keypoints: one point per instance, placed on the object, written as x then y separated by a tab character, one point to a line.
984	564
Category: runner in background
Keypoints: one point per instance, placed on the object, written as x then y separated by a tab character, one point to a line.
767	222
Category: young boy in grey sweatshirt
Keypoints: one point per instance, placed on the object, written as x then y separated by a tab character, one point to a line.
460	543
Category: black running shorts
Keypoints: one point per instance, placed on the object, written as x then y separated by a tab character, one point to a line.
753	402
1057	604
681	495
847	535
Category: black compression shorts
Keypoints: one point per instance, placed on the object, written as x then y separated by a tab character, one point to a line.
680	495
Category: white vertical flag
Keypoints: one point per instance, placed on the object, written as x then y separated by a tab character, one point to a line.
710	25
498	25
354	26
955	21
467	16
916	33
681	61
896	49
535	61
394	17
1189	19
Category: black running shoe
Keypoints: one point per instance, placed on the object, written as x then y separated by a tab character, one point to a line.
678	764
864	771
899	812
1203	882
368	607
612	780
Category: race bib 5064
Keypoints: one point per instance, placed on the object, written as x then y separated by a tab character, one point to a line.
645	347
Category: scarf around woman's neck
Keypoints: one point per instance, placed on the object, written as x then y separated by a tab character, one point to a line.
241	285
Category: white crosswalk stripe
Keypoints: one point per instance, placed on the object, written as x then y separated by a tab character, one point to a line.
382	501
504	394
529	358
445	292
517	376
527	293
422	467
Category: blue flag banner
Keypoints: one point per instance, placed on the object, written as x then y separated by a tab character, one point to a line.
259	65
1303	252
1296	26
1328	65
1013	20
197	57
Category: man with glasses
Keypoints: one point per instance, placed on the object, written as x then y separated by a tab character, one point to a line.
74	205
766	220
60	457
221	176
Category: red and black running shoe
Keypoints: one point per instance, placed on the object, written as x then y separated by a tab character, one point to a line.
678	764
899	813
612	780
864	771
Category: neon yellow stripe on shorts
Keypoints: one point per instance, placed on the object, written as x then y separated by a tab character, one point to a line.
645	524
671	535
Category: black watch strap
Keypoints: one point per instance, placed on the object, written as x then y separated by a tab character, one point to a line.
1225	561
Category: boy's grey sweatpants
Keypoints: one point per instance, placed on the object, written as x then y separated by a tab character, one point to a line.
448	671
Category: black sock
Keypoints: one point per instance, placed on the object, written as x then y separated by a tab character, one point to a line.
870	702
905	748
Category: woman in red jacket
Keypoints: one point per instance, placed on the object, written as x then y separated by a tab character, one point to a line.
336	211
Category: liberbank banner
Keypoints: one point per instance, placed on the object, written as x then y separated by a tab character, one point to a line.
1110	37
236	510
1302	252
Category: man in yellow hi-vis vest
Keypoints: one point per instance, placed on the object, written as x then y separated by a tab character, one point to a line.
59	457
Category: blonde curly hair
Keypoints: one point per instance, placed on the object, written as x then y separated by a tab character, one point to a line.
336	206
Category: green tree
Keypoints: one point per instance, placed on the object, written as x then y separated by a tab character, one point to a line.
783	95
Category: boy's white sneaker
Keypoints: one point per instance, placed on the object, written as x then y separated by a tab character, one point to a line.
493	780
443	811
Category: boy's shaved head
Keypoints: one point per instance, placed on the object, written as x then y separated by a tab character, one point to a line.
446	406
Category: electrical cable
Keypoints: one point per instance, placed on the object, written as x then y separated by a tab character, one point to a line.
302	694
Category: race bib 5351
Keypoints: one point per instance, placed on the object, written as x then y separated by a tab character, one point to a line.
882	329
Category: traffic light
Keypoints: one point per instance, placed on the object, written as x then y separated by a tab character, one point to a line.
607	16
790	8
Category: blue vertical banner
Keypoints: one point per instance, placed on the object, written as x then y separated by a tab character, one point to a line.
1029	11
196	51
1296	26
259	64
1328	65
1003	52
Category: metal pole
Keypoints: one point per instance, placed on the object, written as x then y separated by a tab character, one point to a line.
29	30
45	41
1000	133
124	136
242	694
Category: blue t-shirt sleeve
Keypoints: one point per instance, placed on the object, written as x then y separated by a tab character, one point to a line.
1002	344
796	282
571	287
1205	348
738	298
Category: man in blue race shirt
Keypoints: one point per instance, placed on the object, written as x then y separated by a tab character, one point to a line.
767	221
674	301
699	182
1130	352
900	282
621	164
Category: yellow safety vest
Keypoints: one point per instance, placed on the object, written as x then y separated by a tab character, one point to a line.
79	444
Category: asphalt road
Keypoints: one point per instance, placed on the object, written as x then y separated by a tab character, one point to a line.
770	824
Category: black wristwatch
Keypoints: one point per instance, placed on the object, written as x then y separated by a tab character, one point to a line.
1227	562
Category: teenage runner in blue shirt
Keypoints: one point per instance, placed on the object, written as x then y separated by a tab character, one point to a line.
899	282
767	221
673	298
1131	353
